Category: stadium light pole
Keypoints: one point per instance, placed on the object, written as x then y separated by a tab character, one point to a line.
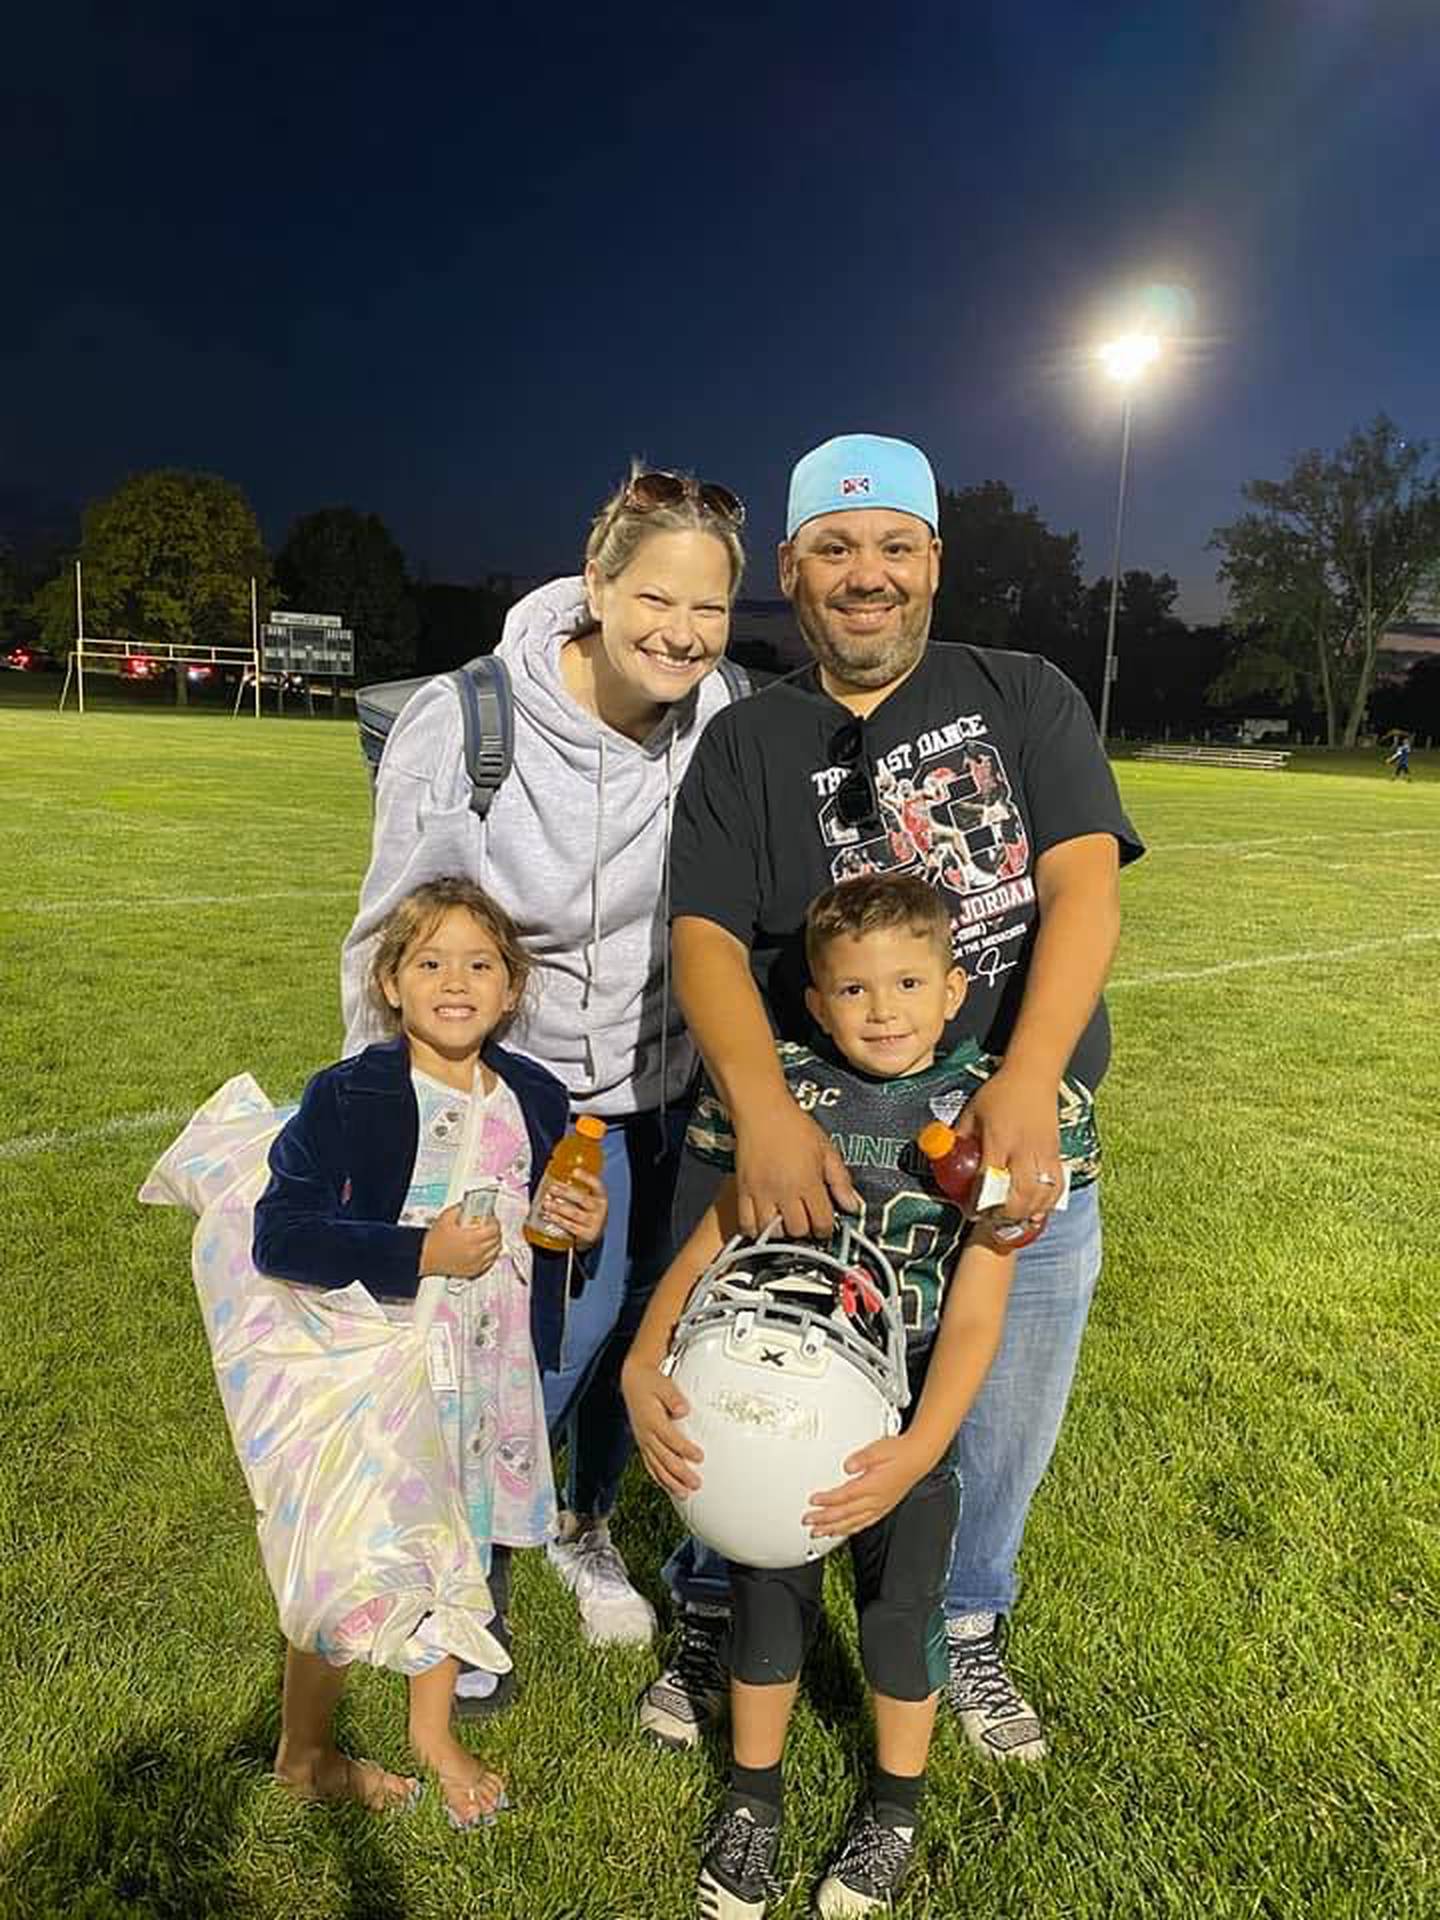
1125	360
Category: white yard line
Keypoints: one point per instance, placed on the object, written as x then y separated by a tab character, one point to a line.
26	1144
139	903
85	904
1290	839
127	1123
1305	957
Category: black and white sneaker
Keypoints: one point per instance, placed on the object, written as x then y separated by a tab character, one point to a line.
994	1715
737	1868
865	1874
687	1699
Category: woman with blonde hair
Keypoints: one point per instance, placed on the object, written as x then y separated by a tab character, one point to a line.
613	678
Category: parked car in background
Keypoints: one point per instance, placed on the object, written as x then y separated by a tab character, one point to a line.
144	666
27	659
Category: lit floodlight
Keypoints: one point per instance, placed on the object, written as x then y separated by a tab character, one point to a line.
1127	358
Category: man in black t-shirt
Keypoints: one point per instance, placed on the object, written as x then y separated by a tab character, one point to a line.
982	771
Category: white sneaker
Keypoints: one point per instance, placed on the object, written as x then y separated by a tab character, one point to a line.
994	1715
612	1613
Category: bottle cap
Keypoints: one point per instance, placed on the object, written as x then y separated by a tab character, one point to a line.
591	1126
936	1140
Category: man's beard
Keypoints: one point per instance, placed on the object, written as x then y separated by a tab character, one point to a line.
863	661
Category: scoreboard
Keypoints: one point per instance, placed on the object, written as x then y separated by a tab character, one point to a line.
317	643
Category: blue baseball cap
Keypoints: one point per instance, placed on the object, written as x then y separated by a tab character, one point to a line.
861	470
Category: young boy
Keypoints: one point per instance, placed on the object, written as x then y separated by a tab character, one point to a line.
884	987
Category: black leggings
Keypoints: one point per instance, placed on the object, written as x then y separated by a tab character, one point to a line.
900	1567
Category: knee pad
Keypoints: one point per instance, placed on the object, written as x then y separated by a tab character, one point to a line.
771	1627
902	1647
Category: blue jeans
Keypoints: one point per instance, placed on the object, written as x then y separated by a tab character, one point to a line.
583	1404
1009	1434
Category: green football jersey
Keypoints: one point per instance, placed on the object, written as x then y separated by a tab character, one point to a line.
873	1124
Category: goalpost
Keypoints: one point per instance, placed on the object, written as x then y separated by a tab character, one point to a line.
287	644
107	656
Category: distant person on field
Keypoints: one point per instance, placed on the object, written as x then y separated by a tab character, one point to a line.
614	681
1400	758
359	1179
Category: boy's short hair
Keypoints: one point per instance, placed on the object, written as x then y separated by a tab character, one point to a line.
873	902
412	919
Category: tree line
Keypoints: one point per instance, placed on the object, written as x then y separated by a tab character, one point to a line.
169	556
1318	569
1320	565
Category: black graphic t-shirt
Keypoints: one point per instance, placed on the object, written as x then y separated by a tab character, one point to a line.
977	764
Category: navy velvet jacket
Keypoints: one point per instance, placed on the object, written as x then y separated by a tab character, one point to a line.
340	1169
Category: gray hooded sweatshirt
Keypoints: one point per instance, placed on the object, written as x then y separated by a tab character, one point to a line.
575	847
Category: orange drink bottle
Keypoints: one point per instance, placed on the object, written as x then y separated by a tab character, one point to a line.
579	1152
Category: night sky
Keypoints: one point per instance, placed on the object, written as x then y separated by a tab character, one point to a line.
456	268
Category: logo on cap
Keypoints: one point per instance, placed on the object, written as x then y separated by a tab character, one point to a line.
855	483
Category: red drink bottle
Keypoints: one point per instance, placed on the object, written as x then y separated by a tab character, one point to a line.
959	1169
955	1160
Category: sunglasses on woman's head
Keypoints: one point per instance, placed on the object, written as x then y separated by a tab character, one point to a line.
647	491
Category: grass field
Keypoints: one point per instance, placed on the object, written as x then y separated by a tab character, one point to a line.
1232	1574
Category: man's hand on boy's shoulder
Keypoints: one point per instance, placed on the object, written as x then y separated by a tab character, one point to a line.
655	1405
880	1477
787	1165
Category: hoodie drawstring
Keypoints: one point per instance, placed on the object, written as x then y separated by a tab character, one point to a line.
592	958
665	937
597	868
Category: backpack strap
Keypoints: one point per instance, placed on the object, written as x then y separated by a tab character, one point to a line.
487	711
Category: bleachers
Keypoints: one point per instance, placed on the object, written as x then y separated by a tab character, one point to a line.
1258	759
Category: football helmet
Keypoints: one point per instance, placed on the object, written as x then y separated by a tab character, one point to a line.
791	1356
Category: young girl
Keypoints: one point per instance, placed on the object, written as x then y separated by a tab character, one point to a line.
359	1183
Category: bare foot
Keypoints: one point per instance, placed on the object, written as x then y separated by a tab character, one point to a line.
331	1777
473	1795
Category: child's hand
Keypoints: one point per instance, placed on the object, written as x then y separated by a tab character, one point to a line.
655	1404
578	1208
459	1251
882	1474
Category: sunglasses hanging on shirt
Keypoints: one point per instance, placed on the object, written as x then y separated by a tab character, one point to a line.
856	802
